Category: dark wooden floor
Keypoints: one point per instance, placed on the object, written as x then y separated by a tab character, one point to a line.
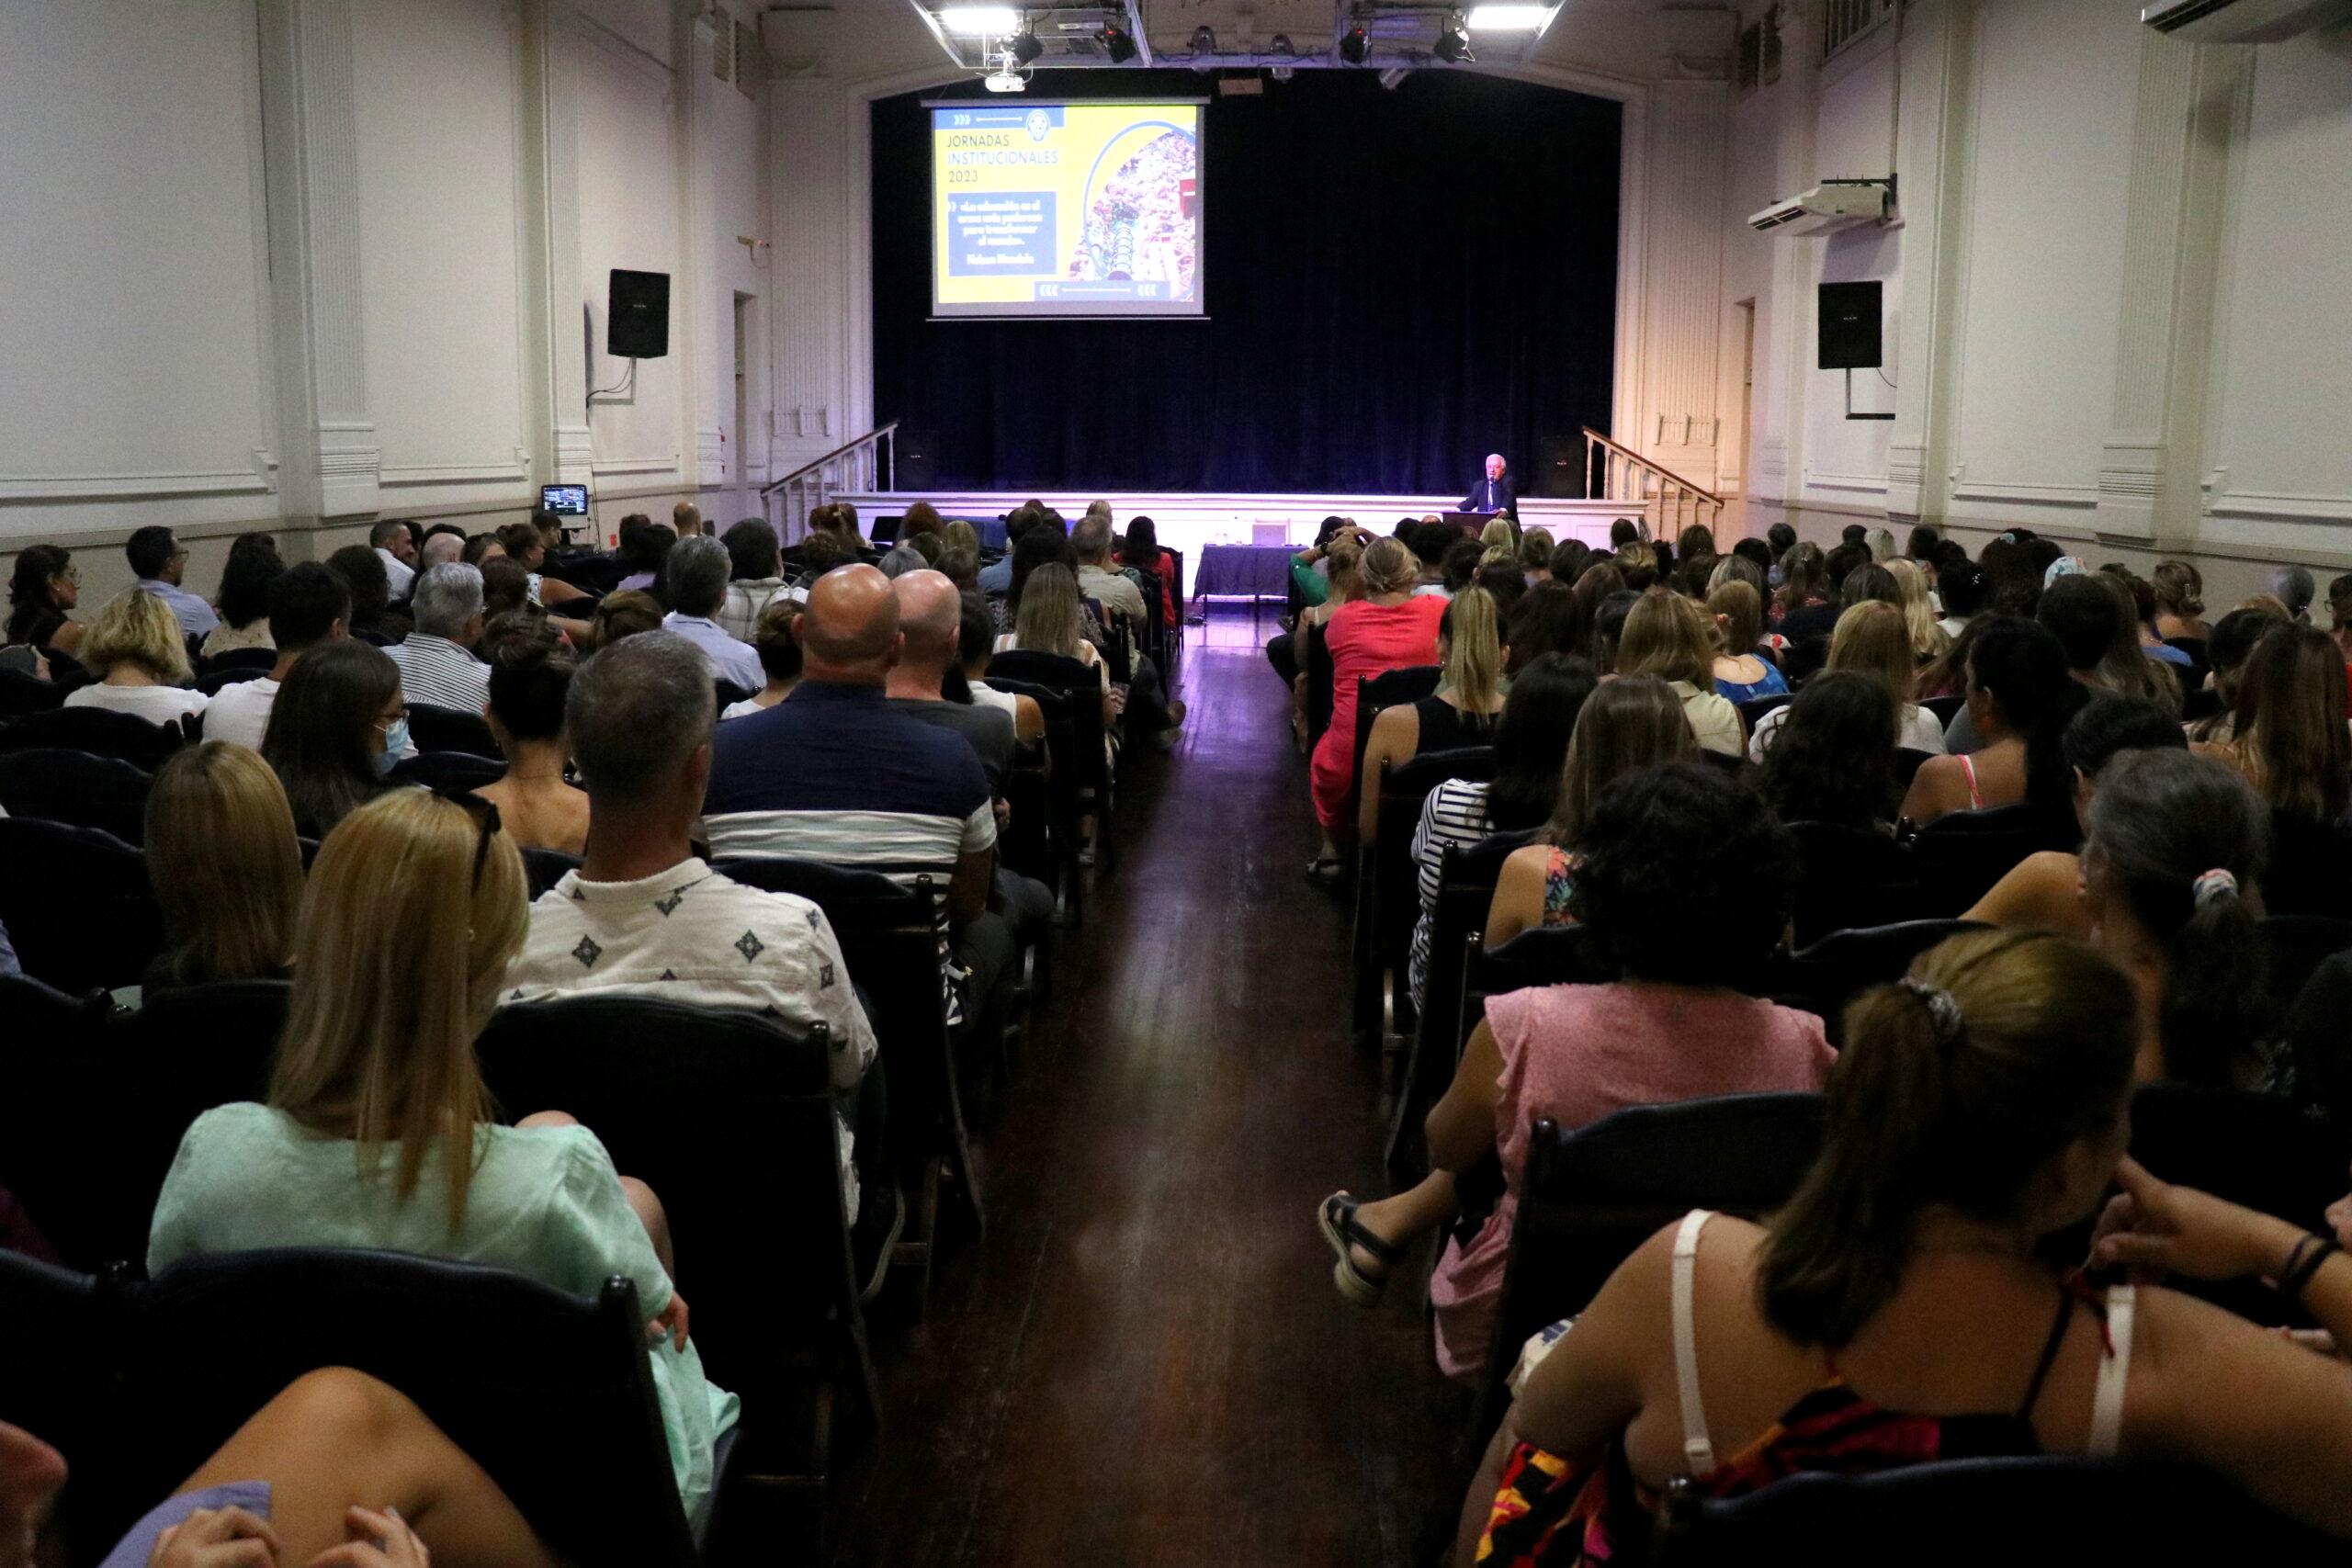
1143	1361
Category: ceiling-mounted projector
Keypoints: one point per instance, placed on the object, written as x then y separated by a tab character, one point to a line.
1831	205
1006	80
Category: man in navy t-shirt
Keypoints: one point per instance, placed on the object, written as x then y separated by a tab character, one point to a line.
834	774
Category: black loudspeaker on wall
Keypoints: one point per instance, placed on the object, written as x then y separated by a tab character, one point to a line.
636	315
1849	318
911	461
1559	466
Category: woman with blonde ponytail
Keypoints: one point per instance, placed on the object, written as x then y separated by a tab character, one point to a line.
1461	712
378	1130
1900	1309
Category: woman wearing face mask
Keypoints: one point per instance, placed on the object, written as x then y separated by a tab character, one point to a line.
338	727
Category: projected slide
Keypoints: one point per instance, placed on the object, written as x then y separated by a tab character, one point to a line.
1065	209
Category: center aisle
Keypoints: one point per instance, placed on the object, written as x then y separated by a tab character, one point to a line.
1144	1362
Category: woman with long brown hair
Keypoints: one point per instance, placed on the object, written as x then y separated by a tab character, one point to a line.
1665	636
227	868
2288	732
377	1132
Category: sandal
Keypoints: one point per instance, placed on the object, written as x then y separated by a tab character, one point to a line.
1336	1217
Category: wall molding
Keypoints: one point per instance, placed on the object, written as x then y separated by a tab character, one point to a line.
668	465
2285	506
122	487
1821	478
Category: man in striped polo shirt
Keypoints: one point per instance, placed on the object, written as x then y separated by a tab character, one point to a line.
437	665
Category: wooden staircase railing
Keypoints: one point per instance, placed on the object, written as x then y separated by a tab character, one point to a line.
1667	502
864	464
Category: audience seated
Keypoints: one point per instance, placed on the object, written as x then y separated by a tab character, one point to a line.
1890	1313
445	545
1530	751
2180	590
530	675
2019	699
2044	891
1665	636
975	645
2288	732
43	589
1833	759
695	575
834	776
644	546
1660	843
158	562
779	655
251	567
1929	639
754	579
226	868
931	625
526	544
644	915
337	725
1461	712
505	590
308	605
397	548
1139	552
1741	671
1628	724
626	612
1548	618
436	662
377	1131
1154	714
1390	627
137	647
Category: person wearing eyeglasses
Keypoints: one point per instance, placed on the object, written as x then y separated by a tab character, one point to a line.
377	1130
159	561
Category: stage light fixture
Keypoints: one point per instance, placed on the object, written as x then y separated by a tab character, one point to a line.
1507	18
980	21
1117	44
1026	49
1453	44
1280	44
1203	40
1354	45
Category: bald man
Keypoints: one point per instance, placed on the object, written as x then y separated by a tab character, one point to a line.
834	774
931	628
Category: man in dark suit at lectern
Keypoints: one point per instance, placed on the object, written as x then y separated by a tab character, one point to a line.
1495	492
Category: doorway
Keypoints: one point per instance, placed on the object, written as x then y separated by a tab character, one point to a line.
739	435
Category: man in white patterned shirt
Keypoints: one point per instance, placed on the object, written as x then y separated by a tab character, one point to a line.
643	915
437	665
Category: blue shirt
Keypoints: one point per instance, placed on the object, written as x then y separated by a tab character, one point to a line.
997	578
1771	685
194	616
731	659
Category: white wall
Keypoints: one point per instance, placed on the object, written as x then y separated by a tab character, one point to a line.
2118	294
396	326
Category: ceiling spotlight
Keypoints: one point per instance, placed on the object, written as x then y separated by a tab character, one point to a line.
981	21
1509	19
1354	45
1116	43
1205	40
1026	49
1453	44
1280	44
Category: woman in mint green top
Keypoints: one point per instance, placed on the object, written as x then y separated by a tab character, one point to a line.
411	914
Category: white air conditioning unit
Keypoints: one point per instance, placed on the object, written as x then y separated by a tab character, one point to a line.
1835	204
2241	21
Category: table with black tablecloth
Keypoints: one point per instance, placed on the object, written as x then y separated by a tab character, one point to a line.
1243	571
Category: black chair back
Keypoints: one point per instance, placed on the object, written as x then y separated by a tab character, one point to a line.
1908	761
261	660
1043	838
77	905
1963	853
728	693
58	1385
21	693
1407	684
1083	761
2310	868
2300	944
214	682
544	868
1388	900
2055	1511
461	770
1946	709
1848	877
1823	977
1754	708
728	1116
551	1393
1591	1195
52	1084
450	729
100	732
57	785
1315	664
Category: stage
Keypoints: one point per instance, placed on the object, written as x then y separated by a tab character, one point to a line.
1187	523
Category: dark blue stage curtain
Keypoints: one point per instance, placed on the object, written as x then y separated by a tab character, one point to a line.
1398	283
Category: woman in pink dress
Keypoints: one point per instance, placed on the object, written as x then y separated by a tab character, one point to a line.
1661	844
1387	630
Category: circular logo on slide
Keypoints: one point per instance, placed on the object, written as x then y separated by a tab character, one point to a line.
1039	122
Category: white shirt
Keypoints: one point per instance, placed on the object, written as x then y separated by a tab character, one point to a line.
988	696
731	659
744	709
739	618
1917	732
1713	720
1112	591
398	576
692	934
239	712
156	705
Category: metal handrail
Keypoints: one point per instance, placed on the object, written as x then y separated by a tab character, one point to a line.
1626	475
809	486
